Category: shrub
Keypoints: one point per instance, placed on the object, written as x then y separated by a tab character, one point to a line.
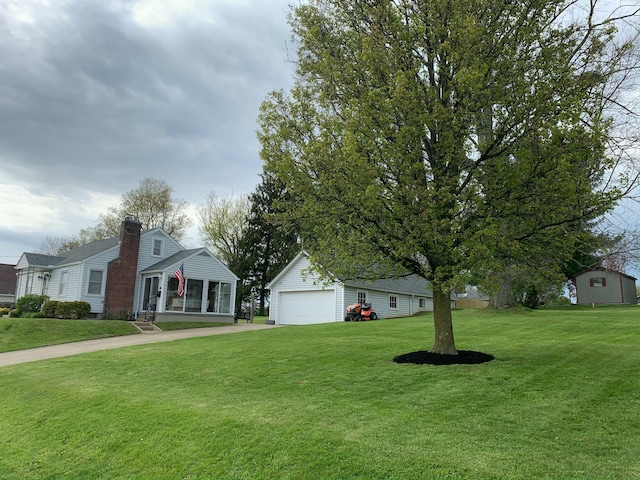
30	303
49	308
73	310
13	314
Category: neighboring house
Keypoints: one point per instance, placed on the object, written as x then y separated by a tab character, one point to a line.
472	298
120	277
300	297
600	285
7	283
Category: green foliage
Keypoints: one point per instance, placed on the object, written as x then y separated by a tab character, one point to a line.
30	303
267	245
72	310
49	308
4	311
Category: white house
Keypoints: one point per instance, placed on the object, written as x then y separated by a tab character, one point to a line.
301	297
119	277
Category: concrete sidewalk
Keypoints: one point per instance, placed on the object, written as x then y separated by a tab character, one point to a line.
75	348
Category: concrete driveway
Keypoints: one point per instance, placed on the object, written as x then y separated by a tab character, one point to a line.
75	348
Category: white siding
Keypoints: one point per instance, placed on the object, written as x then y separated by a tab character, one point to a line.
97	262
146	258
200	266
294	281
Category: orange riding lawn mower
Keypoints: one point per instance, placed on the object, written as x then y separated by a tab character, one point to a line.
360	312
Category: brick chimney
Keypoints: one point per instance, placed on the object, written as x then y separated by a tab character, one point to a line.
122	272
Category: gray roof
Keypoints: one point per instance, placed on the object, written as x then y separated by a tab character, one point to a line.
39	260
176	257
411	285
74	255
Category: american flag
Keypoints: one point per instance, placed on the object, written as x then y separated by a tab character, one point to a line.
180	277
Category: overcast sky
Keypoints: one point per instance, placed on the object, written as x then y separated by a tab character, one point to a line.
96	95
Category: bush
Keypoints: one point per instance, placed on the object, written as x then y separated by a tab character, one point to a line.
49	308
73	310
13	314
30	303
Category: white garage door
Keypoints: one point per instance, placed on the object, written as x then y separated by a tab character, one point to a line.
304	308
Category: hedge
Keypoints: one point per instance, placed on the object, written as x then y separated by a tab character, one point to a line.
30	303
72	310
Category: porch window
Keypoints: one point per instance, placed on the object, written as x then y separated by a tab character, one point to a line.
393	301
62	286
193	296
95	282
362	297
219	297
174	301
421	303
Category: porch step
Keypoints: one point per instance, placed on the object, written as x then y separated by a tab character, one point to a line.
146	327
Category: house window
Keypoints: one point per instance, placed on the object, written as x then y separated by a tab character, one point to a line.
421	303
362	297
193	296
598	282
219	297
393	301
174	301
95	282
62	286
157	247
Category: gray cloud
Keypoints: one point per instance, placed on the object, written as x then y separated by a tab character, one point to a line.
91	99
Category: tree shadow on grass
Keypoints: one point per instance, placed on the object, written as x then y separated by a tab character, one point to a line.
424	357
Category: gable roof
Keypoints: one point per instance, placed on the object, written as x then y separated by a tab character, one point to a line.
602	269
181	257
410	284
74	255
7	279
176	257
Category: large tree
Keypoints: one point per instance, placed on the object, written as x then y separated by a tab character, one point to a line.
153	204
409	116
267	245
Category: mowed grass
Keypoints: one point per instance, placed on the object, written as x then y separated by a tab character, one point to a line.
21	333
561	401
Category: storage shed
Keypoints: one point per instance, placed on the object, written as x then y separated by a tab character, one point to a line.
603	286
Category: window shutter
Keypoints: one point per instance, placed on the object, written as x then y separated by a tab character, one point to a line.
604	281
591	282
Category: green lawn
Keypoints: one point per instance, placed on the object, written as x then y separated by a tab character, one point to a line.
560	401
21	333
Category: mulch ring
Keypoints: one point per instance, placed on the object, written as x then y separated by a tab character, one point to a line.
424	357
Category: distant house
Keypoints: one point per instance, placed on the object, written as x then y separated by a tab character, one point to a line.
603	286
300	297
121	277
7	283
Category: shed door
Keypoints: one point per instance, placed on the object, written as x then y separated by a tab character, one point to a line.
304	308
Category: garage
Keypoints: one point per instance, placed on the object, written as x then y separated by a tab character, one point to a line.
306	307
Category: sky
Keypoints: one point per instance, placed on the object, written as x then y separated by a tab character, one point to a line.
96	95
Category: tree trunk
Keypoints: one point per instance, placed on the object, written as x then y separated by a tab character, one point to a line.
443	324
504	297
